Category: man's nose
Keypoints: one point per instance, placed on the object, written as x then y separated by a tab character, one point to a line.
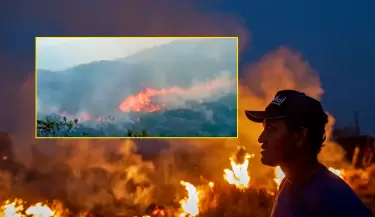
261	137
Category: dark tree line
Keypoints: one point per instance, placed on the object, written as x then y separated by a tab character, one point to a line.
62	127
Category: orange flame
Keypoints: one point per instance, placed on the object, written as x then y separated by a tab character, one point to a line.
39	210
238	175
16	209
190	203
279	176
337	172
12	209
142	101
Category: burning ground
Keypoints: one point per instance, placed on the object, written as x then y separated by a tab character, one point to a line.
113	178
158	89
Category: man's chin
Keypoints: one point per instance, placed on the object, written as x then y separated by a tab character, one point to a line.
268	162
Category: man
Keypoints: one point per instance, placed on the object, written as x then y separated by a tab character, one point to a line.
294	132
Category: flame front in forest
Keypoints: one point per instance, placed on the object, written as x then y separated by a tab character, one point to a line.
143	101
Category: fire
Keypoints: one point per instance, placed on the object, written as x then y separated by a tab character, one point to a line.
16	208
239	175
337	172
155	210
190	203
143	100
39	210
12	209
279	176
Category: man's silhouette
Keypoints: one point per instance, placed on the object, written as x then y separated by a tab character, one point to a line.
294	132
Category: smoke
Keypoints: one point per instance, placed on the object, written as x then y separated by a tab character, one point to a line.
126	180
281	69
24	134
208	114
195	160
5	184
222	85
277	70
332	154
18	113
110	49
96	181
76	18
96	175
203	159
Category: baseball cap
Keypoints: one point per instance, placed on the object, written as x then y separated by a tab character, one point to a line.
289	103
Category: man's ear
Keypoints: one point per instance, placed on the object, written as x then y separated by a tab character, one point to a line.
302	137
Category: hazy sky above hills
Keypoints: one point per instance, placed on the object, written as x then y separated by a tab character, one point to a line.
62	53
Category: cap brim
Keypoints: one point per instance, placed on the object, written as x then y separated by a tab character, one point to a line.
260	116
256	116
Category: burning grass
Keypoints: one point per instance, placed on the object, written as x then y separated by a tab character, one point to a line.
123	188
225	200
237	193
238	196
20	208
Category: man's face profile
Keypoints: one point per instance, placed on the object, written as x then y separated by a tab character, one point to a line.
277	143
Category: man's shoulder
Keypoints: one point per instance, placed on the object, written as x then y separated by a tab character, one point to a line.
329	193
326	186
329	184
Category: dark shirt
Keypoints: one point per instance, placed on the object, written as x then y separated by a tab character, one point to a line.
323	195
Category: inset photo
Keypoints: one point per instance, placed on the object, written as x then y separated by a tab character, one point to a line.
153	87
